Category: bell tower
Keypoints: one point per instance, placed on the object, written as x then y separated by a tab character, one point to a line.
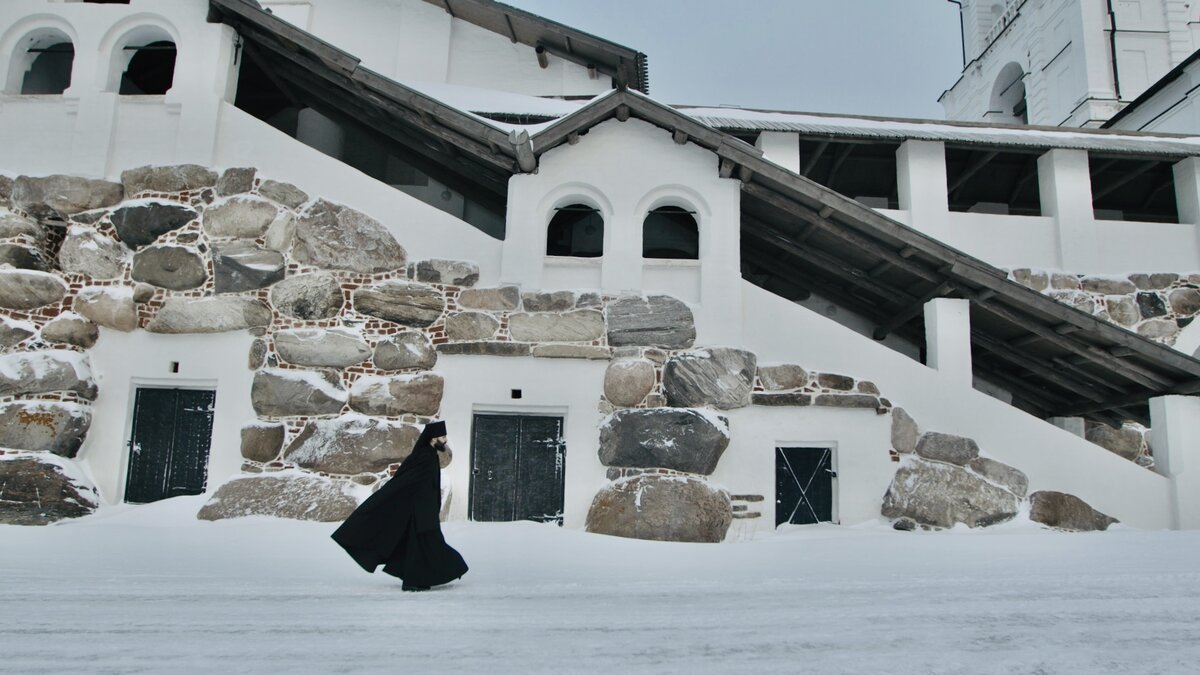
1071	63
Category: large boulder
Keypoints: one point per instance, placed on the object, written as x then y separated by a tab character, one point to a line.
60	196
142	224
333	348
471	326
904	431
71	329
13	332
178	268
1005	476
656	321
292	393
1066	512
661	508
403	351
87	252
13	226
582	325
501	299
39	490
337	237
451	272
404	302
627	381
176	178
668	438
720	377
46	371
935	494
392	396
947	448
109	306
44	426
351	444
245	266
23	257
282	495
209	315
310	297
240	218
1125	442
29	289
262	441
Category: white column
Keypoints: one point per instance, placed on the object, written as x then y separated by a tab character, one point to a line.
921	183
1175	424
1073	425
781	148
1187	190
1065	184
948	338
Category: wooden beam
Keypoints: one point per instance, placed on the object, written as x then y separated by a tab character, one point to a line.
725	168
1036	366
745	174
858	241
838	160
622	112
1028	174
975	167
814	158
679	136
1126	177
512	34
1189	388
908	313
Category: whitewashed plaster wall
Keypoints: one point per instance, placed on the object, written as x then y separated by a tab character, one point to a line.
1052	458
1171	110
126	361
625	170
412	40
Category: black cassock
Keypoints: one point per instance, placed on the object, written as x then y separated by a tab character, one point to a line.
398	525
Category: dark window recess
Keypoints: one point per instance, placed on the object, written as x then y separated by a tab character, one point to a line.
168	448
1136	189
985	180
861	170
50	72
576	230
151	70
517	468
356	143
670	232
106	2
803	486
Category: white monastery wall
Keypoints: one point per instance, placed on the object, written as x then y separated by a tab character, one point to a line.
411	40
608	170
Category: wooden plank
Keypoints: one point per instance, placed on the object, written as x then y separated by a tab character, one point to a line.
1025	361
839	159
905	315
812	160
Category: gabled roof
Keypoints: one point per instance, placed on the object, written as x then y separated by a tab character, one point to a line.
626	66
1056	360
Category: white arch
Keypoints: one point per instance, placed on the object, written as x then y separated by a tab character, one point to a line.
133	30
574	193
684	197
31	32
1008	92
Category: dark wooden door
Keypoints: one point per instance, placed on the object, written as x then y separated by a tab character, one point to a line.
168	448
517	468
803	486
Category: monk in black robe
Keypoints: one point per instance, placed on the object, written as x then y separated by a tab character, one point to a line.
399	527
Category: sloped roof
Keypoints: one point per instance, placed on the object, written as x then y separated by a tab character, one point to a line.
1056	360
626	66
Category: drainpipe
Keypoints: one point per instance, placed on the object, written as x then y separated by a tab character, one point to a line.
1112	41
962	32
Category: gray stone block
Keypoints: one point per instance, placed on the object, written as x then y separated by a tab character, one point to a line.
661	508
670	438
720	377
404	302
1066	512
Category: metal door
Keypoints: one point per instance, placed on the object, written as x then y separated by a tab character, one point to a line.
172	432
517	468
803	486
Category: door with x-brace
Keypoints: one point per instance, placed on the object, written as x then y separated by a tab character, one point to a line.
803	485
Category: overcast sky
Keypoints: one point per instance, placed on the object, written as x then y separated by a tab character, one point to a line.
874	57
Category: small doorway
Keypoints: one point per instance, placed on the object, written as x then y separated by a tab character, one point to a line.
168	446
517	468
803	486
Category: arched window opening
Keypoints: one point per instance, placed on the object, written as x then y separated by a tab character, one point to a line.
50	69
670	232
1008	105
151	70
576	230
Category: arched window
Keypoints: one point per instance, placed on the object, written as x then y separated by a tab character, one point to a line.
576	230
151	68
670	232
50	70
1008	104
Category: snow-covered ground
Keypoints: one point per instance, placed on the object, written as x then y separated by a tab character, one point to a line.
150	589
